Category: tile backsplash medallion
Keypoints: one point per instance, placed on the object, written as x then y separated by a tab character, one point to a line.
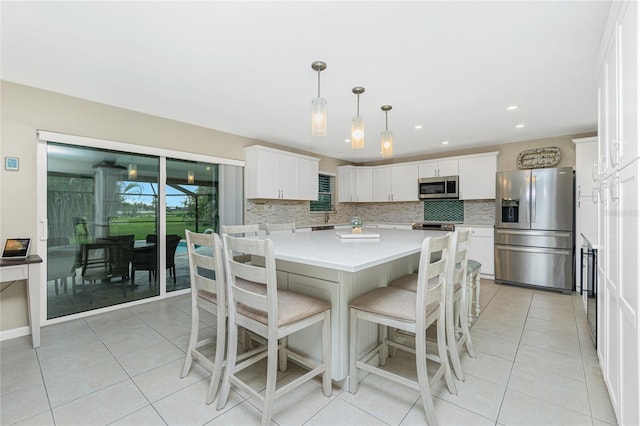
444	211
477	212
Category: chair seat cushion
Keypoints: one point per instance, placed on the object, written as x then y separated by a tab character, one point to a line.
391	302
292	306
473	266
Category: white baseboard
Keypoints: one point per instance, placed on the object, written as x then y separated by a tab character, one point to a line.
15	332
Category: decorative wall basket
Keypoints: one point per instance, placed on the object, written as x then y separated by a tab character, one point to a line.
539	158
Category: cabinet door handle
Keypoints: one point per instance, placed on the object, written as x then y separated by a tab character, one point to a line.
594	171
594	195
613	153
614	183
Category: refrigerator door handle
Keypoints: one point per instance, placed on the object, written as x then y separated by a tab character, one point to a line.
533	200
534	233
534	250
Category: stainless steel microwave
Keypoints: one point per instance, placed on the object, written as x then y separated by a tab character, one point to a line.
438	187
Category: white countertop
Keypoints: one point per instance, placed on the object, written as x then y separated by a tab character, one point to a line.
326	250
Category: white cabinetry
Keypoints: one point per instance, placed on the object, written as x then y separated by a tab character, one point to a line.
586	196
274	174
477	177
355	184
364	184
346	184
618	230
395	183
481	248
433	168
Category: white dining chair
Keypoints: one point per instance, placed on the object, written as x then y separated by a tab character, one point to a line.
256	304
457	303
207	293
280	227
412	313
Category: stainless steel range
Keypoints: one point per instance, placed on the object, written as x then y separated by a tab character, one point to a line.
434	226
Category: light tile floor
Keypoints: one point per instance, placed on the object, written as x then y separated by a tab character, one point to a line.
536	364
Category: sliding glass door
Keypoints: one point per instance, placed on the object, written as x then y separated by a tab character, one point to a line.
116	223
191	203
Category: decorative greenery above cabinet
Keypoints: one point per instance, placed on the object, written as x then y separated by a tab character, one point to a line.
274	174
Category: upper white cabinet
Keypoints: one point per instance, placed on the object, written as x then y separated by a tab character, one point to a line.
355	184
477	177
441	167
364	184
275	174
395	183
346	184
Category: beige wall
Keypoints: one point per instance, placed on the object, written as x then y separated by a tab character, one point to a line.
24	110
508	153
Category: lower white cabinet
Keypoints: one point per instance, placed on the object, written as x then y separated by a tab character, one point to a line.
481	249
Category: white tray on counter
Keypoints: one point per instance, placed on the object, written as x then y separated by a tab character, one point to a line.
361	236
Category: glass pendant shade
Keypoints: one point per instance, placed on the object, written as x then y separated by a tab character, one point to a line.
319	117
357	133
386	144
132	171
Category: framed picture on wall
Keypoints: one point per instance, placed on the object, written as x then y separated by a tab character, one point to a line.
12	164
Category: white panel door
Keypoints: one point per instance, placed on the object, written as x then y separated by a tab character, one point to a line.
404	182
308	172
478	178
381	181
448	167
364	184
346	184
427	169
628	302
289	177
628	84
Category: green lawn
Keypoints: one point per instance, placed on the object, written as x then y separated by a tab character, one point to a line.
141	226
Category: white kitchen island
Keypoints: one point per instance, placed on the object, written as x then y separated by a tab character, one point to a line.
321	264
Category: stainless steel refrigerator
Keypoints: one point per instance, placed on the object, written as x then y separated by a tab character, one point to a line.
534	228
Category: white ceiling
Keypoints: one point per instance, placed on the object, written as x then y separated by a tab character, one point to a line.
245	67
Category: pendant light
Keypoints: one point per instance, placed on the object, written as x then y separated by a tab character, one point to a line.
386	143
132	171
357	124
319	106
191	178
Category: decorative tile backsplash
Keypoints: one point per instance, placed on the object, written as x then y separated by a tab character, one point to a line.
479	212
444	211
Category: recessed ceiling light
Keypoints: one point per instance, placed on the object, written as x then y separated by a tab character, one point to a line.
347	140
445	142
418	126
512	107
519	126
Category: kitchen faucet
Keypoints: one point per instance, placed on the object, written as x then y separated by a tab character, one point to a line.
326	212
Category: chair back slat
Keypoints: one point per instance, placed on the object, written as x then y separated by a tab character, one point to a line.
241	230
206	268
436	291
248	272
263	297
457	273
250	298
280	227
